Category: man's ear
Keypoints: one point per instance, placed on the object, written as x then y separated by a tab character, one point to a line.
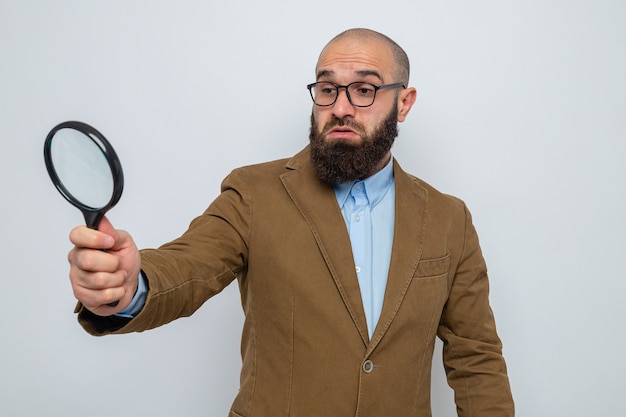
406	99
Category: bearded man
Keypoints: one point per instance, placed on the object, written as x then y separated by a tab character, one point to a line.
348	267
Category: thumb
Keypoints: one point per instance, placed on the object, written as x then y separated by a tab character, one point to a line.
107	228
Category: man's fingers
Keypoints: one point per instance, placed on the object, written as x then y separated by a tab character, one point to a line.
84	237
103	238
98	300
106	227
97	289
93	260
100	280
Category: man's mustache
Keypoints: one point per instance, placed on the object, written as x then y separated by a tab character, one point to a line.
345	122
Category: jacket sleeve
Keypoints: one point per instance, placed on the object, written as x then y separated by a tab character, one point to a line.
186	272
472	351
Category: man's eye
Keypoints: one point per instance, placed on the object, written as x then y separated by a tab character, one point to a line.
363	90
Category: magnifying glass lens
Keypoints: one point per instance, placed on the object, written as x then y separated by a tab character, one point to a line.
82	168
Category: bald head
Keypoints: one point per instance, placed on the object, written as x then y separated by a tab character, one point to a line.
401	60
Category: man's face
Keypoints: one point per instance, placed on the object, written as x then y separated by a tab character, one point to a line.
347	142
340	160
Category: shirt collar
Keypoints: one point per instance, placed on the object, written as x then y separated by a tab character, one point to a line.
376	186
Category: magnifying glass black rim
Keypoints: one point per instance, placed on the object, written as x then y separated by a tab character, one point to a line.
92	214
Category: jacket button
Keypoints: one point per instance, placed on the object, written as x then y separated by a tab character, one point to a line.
368	366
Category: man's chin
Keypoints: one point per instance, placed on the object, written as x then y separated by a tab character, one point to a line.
343	142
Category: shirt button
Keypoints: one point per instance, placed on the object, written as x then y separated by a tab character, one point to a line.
368	366
358	269
357	218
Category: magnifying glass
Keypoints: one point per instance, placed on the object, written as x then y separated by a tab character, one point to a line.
85	169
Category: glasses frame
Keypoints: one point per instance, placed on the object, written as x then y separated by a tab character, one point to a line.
338	87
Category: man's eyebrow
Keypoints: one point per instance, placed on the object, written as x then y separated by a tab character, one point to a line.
365	73
360	73
325	73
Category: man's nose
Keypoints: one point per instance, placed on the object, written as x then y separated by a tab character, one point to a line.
343	107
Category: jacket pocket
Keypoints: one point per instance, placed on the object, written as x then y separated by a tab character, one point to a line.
433	268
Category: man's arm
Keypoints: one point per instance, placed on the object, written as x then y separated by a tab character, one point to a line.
472	355
182	274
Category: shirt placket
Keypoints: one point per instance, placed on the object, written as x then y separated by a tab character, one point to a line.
360	224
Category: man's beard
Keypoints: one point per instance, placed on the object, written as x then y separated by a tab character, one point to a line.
341	161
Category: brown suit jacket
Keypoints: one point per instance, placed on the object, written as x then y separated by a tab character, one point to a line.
278	230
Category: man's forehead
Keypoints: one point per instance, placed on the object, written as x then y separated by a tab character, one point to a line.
327	73
355	57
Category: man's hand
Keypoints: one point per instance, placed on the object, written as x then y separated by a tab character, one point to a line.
104	266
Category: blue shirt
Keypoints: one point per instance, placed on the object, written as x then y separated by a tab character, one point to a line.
368	209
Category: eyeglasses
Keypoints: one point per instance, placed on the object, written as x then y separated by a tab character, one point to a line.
360	94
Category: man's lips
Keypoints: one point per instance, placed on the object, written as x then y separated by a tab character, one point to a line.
342	132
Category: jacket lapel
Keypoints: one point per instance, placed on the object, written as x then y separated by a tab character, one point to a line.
318	205
408	242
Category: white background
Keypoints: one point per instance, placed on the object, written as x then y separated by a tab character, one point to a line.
521	112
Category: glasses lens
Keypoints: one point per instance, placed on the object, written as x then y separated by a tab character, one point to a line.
362	94
324	93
